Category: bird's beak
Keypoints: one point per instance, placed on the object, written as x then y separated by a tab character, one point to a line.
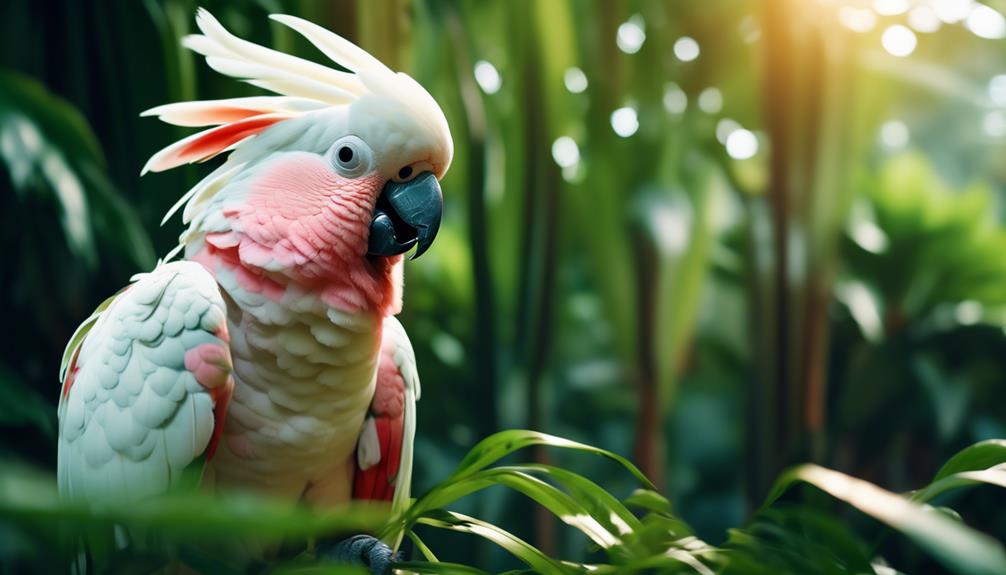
407	214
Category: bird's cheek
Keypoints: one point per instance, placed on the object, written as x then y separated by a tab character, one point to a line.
300	206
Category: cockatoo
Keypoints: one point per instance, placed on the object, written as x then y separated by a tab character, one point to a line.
270	354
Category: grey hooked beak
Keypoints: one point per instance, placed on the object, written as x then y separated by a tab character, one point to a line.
407	214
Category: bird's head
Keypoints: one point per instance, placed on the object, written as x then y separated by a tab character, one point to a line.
339	165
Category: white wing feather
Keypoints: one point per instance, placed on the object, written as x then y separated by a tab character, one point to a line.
134	417
405	359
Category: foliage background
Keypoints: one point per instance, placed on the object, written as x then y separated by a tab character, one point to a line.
836	297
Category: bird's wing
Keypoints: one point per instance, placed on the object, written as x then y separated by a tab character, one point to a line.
384	451
146	380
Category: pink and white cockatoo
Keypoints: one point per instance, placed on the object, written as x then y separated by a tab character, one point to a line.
270	353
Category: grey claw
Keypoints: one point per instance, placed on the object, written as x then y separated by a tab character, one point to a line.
363	550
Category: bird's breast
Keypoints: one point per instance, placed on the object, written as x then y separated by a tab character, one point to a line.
304	378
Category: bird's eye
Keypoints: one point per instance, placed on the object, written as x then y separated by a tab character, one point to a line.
351	157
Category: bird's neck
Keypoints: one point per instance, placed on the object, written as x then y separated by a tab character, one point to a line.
350	284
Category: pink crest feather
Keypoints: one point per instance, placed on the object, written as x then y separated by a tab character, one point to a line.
208	143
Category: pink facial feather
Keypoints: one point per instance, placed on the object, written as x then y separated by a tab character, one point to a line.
301	222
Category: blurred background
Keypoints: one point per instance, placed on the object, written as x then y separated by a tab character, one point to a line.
717	236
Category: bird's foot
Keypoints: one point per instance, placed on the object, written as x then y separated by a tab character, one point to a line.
364	550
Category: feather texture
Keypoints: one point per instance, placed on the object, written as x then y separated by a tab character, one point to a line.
303	87
385	449
146	388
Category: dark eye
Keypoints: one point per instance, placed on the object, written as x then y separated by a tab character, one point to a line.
405	173
346	154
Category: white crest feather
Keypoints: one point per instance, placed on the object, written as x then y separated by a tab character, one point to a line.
302	87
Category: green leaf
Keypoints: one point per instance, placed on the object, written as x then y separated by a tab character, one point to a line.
787	539
298	568
185	515
51	156
583	505
650	501
438	568
597	523
519	548
982	455
958	480
957	546
20	405
499	445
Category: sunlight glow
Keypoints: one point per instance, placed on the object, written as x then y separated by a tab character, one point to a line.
575	80
742	144
894	134
624	121
899	41
986	22
857	19
711	101
631	35
890	7
675	99
565	152
686	49
487	77
923	18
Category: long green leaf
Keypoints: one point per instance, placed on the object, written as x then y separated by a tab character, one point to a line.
982	455
499	445
958	480
957	546
519	548
32	496
438	568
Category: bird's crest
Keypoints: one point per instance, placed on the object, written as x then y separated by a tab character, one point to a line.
303	86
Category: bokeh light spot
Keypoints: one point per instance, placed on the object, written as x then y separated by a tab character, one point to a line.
686	49
952	11
894	134
986	22
994	124
488	77
857	19
724	128
624	121
997	89
575	80
631	35
899	41
565	152
742	144
675	99
711	101
969	312
890	7
923	19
